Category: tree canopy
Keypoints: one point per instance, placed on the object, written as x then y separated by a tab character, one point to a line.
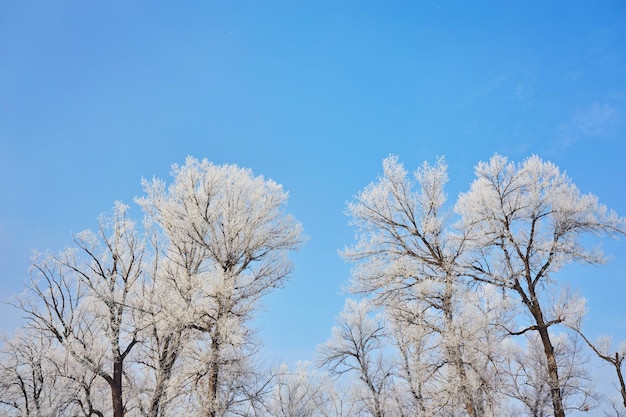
456	308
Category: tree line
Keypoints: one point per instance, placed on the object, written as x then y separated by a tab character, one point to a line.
455	310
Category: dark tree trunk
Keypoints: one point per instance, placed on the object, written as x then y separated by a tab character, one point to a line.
548	349
213	376
620	377
116	390
553	372
167	359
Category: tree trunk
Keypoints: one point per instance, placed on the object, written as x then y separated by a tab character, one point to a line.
548	349
468	399
620	377
553	372
167	359
213	376
532	302
455	356
116	390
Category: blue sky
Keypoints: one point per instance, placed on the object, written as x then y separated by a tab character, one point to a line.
96	95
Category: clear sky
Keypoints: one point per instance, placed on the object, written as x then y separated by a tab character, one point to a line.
313	94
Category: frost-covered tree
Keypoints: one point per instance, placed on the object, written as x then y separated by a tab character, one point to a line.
83	298
615	357
227	244
30	384
417	364
524	222
85	393
306	392
407	261
357	346
297	393
339	398
527	381
158	380
164	328
171	372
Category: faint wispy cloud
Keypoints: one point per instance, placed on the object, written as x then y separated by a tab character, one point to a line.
521	87
525	89
596	121
483	89
491	85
